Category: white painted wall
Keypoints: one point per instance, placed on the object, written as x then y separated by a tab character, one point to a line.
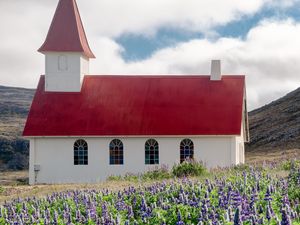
240	141
238	148
31	161
64	71
55	157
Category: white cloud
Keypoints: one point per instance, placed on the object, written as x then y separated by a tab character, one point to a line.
23	28
269	56
24	25
114	17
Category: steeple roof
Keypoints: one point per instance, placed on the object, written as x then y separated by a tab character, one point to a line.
66	33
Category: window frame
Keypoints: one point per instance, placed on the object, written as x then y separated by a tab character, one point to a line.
80	152
116	156
151	152
183	151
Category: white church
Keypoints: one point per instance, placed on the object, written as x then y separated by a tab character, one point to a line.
84	128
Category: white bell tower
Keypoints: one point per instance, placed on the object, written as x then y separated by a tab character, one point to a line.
65	71
66	50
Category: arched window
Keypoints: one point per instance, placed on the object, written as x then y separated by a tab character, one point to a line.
186	150
151	152
80	152
116	156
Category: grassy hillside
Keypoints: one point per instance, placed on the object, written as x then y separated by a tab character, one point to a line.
276	125
14	107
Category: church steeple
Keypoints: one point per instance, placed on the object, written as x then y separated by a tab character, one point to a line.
66	50
66	33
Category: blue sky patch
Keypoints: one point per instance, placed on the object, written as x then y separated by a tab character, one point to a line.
139	47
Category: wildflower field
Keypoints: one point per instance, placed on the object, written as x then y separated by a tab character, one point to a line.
242	195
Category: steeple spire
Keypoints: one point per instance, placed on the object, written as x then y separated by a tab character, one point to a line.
66	33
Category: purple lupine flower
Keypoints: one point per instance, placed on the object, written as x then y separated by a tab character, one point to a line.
257	185
46	221
204	208
285	220
77	216
268	194
261	221
24	206
253	219
92	211
237	219
271	209
179	217
130	213
268	213
253	197
294	215
69	219
237	199
245	178
285	200
260	209
47	213
144	204
212	204
88	215
55	218
20	221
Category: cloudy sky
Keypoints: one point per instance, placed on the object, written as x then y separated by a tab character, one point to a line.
258	38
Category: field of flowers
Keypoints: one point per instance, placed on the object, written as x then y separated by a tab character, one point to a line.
237	196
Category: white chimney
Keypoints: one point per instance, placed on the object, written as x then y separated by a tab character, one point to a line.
215	70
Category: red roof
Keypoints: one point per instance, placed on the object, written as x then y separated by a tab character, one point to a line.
66	33
140	105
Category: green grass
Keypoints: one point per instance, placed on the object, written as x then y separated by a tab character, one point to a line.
1	190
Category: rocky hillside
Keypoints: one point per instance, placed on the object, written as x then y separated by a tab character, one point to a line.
14	106
275	126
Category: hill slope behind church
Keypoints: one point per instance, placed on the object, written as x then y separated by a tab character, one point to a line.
14	107
276	125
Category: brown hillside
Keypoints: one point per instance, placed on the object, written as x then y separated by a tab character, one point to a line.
276	125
